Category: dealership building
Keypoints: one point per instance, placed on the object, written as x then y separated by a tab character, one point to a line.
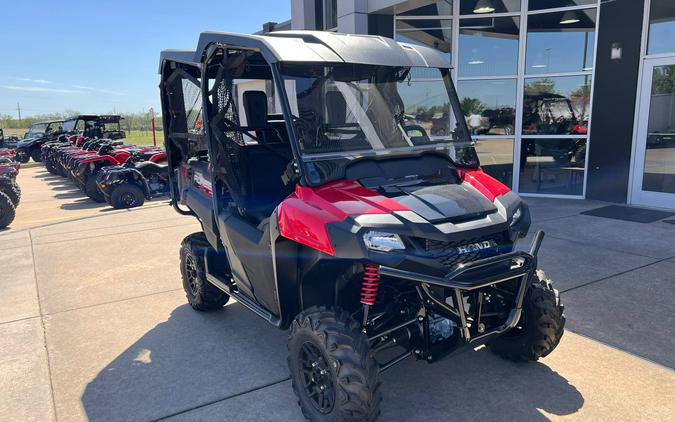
564	98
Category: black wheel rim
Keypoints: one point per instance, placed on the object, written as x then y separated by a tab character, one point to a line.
191	274
317	378
128	199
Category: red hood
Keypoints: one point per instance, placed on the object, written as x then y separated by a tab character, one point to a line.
303	215
347	197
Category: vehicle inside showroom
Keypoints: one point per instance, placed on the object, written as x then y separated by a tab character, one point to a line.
542	83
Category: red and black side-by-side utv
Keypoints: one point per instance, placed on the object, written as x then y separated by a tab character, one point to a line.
331	208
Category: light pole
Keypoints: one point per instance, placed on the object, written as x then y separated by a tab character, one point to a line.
152	119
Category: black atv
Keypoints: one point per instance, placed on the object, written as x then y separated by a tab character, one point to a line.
38	134
144	175
326	212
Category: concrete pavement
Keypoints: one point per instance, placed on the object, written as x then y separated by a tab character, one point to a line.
94	325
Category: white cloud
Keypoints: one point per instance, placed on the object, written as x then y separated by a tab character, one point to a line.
37	81
41	89
102	91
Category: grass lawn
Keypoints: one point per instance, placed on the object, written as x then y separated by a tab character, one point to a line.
143	137
15	132
138	137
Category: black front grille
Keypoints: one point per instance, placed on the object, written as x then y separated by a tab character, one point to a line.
466	250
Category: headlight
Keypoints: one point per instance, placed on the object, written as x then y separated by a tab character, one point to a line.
383	242
516	215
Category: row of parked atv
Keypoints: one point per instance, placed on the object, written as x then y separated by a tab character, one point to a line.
108	170
10	192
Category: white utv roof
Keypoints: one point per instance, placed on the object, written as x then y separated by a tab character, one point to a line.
319	46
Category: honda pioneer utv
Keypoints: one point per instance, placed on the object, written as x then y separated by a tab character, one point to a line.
326	211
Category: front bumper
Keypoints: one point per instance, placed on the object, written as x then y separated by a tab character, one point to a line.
475	275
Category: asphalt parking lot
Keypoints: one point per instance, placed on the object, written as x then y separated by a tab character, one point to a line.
94	325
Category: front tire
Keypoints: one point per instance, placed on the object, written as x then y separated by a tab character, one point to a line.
201	295
541	325
127	195
7	211
333	371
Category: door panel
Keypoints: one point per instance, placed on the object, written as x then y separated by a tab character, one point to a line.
654	175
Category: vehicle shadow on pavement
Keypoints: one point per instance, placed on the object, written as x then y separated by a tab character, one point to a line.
65	187
81	203
477	385
189	360
72	194
44	174
195	359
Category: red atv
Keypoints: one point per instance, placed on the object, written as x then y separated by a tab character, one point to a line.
89	166
141	177
324	215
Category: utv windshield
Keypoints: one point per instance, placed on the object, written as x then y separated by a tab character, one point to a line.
36	130
69	125
347	110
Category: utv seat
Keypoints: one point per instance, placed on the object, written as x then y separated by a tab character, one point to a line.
263	164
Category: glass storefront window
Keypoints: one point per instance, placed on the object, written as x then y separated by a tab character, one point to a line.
661	27
331	14
552	166
551	4
560	42
659	165
555	77
496	158
489	105
557	106
425	8
473	7
488	46
435	33
427	111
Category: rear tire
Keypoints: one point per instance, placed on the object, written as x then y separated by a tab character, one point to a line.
541	325
7	211
92	190
201	295
333	371
127	195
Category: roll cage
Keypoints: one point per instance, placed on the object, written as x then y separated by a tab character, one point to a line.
232	137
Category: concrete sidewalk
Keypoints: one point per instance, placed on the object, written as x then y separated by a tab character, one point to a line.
94	325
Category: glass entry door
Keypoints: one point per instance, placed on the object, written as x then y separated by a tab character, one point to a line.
654	172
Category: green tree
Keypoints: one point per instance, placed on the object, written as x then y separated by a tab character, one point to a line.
472	106
540	86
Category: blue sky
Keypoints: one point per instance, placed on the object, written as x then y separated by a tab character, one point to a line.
97	56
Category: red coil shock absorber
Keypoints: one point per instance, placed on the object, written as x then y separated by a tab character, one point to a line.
370	284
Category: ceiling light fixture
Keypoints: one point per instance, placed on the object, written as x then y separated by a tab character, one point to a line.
484	6
569	18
